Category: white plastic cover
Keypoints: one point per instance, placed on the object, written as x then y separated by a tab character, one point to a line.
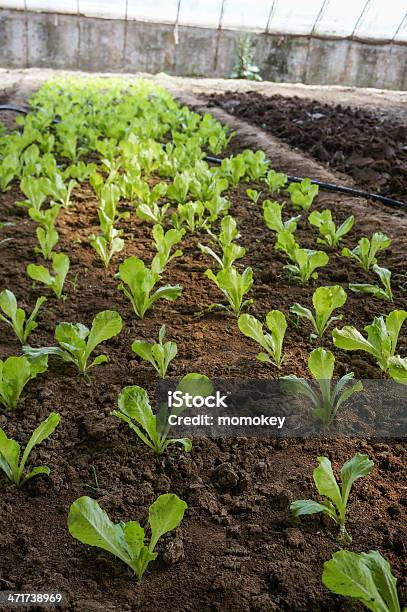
365	19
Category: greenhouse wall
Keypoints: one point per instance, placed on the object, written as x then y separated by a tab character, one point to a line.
57	40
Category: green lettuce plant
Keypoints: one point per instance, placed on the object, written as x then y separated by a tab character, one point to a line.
329	397
153	429
16	317
381	293
325	300
381	341
77	342
272	214
364	253
303	194
138	282
234	287
276	181
60	266
9	169
336	503
253	195
365	577
330	234
10	452
47	235
304	263
107	245
163	242
89	524
15	373
190	215
272	342
159	355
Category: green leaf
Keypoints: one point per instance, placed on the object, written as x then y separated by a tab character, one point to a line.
321	364
365	577
9	456
37	471
105	325
41	433
89	524
356	467
165	514
325	481
398	369
303	507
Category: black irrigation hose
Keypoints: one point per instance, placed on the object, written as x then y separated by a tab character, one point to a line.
359	193
331	187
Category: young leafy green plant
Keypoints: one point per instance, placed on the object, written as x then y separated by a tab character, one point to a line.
366	250
60	266
234	287
272	342
336	503
163	243
381	341
397	368
10	452
107	245
77	342
305	262
47	235
272	214
325	300
366	577
303	194
140	281
330	234
230	253
276	180
159	355
327	400
89	524
17	317
153	429
381	293
15	373
253	195
190	214
178	190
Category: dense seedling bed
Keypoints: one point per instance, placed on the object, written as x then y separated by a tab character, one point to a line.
132	260
361	143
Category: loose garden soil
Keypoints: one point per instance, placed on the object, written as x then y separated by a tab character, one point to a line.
238	548
365	144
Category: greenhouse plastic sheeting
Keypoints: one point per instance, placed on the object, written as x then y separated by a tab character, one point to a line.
363	19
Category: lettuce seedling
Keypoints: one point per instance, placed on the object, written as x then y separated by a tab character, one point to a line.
9	169
327	399
59	191
366	250
10	452
15	373
305	262
190	214
89	524
153	429
216	206
140	281
60	265
337	503
366	577
107	246
272	214
381	341
159	355
47	235
276	181
397	368
234	169
153	213
178	190
17	317
303	194
286	242
380	293
253	195
230	253
271	342
163	243
77	342
234	287
35	190
256	164
325	300
330	234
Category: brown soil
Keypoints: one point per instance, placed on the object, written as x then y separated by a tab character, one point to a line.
363	143
239	548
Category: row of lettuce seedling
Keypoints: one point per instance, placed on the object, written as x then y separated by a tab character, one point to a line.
150	155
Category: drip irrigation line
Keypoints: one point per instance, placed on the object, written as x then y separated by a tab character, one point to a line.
359	193
331	187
